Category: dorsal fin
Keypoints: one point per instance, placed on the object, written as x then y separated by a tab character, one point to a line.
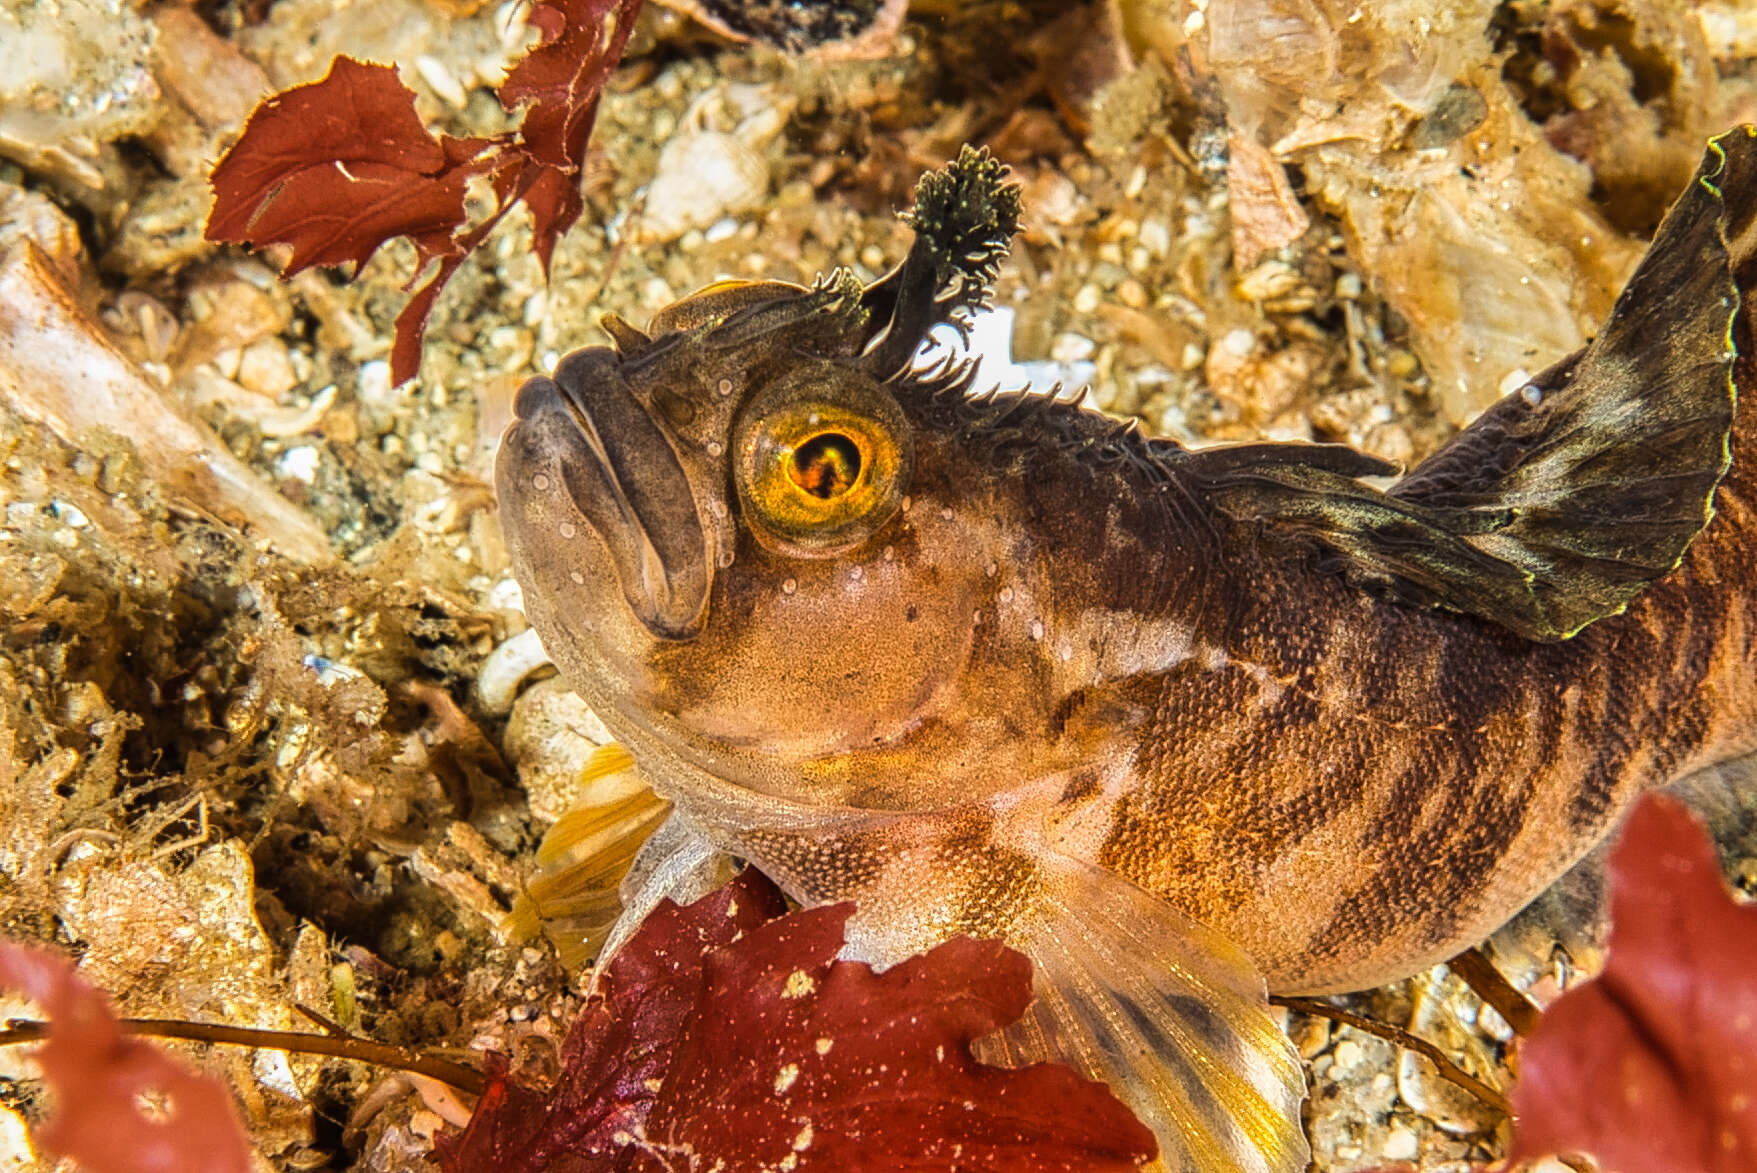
1569	497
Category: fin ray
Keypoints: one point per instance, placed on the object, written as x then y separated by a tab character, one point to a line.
1168	1012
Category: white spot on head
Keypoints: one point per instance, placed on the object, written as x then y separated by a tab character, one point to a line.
715	447
824	1045
1037	629
725	558
890	553
724	386
855	574
786	1078
976	618
1006	594
540	482
992	569
799	984
947	513
566	529
578	578
803	1140
789	586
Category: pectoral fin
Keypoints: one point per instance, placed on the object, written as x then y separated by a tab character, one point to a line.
1565	500
1170	1014
677	863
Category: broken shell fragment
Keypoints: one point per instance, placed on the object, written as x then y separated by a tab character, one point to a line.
717	163
58	368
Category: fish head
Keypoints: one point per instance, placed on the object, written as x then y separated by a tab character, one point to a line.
741	538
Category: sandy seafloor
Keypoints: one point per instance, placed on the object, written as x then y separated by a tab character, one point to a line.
246	760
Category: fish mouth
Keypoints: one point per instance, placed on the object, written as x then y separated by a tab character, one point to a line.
623	475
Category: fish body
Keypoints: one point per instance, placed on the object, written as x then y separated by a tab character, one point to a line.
1165	719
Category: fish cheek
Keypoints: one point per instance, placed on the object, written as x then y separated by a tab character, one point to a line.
813	661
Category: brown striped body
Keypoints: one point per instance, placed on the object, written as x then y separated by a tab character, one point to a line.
1398	782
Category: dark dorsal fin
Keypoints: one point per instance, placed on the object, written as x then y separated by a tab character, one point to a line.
1566	499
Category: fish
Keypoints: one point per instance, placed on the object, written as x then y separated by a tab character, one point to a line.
1185	725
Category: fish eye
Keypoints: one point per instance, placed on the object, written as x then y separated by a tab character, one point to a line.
821	462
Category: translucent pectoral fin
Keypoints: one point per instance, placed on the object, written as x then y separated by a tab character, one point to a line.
678	863
1167	1012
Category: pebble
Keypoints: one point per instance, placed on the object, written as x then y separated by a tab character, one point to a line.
1155	236
441	81
1347	1054
1400	1145
1239	342
1132	294
1086	300
1069	347
265	368
536	308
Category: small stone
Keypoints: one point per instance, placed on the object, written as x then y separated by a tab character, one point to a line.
265	368
298	464
1069	347
1348	286
1400	1145
1347	1054
872	256
1132	294
1239	342
1155	236
1086	300
442	81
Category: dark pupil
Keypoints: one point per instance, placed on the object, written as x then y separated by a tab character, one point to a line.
826	465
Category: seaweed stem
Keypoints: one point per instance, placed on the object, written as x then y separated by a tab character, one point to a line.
456	1075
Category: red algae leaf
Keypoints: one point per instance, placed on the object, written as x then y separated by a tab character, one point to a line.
103	1080
619	1047
336	168
559	84
726	1036
1653	1064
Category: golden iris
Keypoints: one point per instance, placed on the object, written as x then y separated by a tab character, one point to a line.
818	476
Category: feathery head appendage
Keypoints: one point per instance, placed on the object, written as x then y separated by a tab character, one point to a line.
964	219
966	214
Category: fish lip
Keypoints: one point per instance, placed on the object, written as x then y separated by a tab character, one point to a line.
623	476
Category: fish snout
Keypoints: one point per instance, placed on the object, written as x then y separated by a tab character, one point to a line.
583	452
